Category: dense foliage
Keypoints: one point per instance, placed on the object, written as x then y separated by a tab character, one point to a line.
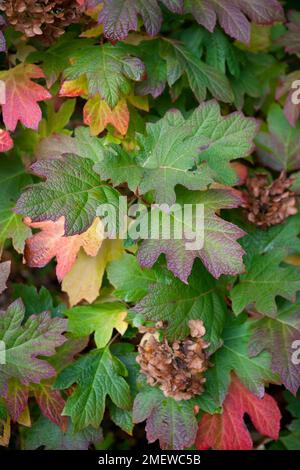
193	102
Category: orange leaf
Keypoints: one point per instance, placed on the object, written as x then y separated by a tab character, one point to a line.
73	88
22	95
51	242
97	114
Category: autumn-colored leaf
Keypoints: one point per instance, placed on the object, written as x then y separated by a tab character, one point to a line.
16	399
50	242
227	431
97	114
6	142
84	280
22	96
51	403
77	87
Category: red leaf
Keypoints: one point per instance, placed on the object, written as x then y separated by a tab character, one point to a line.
16	399
6	142
227	431
51	404
22	95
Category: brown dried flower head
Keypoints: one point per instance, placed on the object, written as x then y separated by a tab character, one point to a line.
178	368
47	18
269	204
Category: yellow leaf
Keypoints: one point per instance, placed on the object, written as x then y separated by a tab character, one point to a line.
84	280
92	32
24	418
293	259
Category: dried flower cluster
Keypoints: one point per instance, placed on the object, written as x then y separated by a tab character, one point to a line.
269	203
42	17
177	369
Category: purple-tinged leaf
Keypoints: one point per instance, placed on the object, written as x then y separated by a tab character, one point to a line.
279	336
52	437
16	399
51	404
3	47
291	39
279	148
172	422
220	254
233	15
24	343
121	16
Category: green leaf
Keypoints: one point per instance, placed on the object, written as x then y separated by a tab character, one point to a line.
167	157
129	279
3	410
156	70
37	301
119	166
126	353
13	178
46	434
281	237
71	190
57	120
201	76
56	57
292	440
121	418
109	70
97	375
264	281
176	303
98	318
172	147
228	138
